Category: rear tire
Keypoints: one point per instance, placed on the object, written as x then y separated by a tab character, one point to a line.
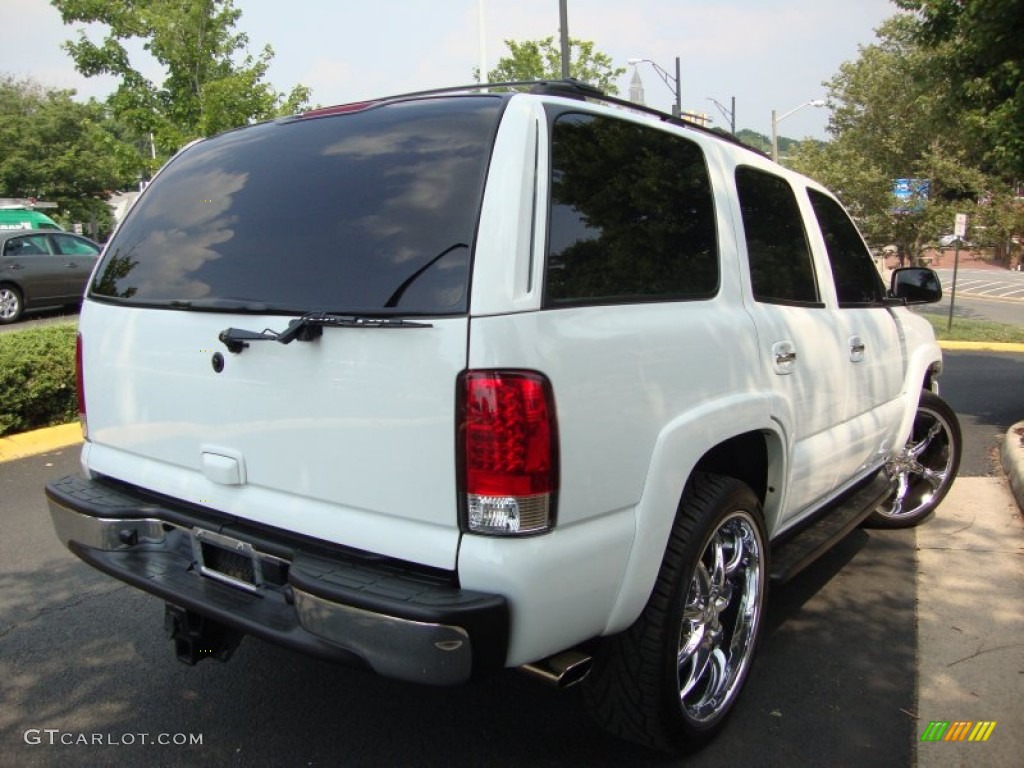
670	680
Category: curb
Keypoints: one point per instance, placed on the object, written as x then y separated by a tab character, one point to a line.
987	346
39	441
1012	457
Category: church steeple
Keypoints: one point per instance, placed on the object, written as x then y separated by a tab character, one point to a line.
636	88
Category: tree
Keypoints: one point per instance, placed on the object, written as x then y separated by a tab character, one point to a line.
211	84
896	115
980	53
62	151
542	60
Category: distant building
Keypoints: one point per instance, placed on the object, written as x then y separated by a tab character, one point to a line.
636	88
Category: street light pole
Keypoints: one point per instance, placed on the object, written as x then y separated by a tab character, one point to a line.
674	83
728	114
777	120
775	138
679	93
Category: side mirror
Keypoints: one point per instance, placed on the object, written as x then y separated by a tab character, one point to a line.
915	285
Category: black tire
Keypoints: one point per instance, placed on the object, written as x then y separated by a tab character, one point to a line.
11	304
670	680
926	467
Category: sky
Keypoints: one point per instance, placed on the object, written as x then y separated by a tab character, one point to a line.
768	54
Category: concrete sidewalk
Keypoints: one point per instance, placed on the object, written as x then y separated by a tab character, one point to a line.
970	624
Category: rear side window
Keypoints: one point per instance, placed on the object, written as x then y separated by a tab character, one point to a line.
853	270
781	270
72	246
372	211
632	216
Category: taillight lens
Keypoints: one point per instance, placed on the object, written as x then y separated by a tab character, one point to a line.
80	385
508	452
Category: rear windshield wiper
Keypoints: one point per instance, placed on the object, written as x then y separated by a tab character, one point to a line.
310	327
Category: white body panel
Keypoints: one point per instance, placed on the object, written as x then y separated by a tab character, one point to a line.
348	438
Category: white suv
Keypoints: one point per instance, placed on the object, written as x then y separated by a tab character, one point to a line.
451	382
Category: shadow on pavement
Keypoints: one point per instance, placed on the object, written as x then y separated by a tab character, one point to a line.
832	685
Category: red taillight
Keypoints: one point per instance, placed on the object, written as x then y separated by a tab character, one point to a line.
80	385
508	451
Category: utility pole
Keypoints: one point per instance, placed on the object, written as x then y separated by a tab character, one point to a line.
563	11
482	32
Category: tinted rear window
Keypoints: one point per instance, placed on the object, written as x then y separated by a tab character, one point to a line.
371	212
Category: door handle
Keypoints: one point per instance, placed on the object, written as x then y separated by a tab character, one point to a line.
857	349
783	357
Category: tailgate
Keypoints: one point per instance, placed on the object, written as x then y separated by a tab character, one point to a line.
349	438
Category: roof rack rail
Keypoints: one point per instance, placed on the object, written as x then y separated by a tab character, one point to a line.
566	88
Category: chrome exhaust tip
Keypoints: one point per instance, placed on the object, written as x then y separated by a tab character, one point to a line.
562	670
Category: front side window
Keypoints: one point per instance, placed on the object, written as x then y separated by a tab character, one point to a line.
857	281
631	217
31	245
781	269
373	211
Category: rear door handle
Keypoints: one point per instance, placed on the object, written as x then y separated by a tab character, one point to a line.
783	357
857	349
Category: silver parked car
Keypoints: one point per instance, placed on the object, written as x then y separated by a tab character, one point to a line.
42	269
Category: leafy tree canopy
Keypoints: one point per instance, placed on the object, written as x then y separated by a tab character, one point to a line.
62	151
542	60
979	48
212	82
898	113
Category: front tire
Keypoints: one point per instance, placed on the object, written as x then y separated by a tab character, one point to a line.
926	467
11	304
670	680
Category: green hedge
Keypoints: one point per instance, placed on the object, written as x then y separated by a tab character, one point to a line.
37	378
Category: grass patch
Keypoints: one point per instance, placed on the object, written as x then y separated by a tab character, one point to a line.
967	329
37	378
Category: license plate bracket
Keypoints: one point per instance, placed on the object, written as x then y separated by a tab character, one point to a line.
227	560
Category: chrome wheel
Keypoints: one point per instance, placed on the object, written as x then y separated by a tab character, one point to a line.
924	470
10	304
720	618
671	679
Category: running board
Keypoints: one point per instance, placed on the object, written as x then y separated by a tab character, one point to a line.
805	546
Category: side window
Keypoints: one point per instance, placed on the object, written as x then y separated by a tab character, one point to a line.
632	217
857	281
69	246
781	270
32	245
